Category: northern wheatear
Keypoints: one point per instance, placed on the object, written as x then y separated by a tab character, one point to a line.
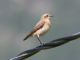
41	27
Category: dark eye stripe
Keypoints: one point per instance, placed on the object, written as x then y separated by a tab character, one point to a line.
46	16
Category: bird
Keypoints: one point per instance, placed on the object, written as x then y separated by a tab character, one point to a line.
41	27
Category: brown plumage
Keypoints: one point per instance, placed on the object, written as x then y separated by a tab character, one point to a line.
37	27
41	27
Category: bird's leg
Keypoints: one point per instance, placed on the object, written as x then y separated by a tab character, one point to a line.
39	39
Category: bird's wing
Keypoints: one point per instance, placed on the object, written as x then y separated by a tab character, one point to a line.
39	25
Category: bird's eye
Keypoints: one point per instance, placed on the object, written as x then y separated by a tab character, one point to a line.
46	16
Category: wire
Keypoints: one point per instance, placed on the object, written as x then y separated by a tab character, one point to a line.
52	44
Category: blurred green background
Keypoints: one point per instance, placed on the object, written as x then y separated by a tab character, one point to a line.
17	18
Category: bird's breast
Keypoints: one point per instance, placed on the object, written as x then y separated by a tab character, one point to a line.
43	30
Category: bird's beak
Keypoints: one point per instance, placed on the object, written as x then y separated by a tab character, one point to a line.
51	16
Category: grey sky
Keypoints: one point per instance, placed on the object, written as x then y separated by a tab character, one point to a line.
17	18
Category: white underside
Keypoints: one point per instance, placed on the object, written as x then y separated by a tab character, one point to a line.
43	30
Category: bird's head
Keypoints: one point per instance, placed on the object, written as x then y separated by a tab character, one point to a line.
46	15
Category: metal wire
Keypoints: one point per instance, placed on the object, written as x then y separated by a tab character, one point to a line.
52	44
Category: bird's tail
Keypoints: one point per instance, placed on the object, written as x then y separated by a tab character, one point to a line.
27	36
30	34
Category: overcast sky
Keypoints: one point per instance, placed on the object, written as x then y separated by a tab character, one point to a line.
17	17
